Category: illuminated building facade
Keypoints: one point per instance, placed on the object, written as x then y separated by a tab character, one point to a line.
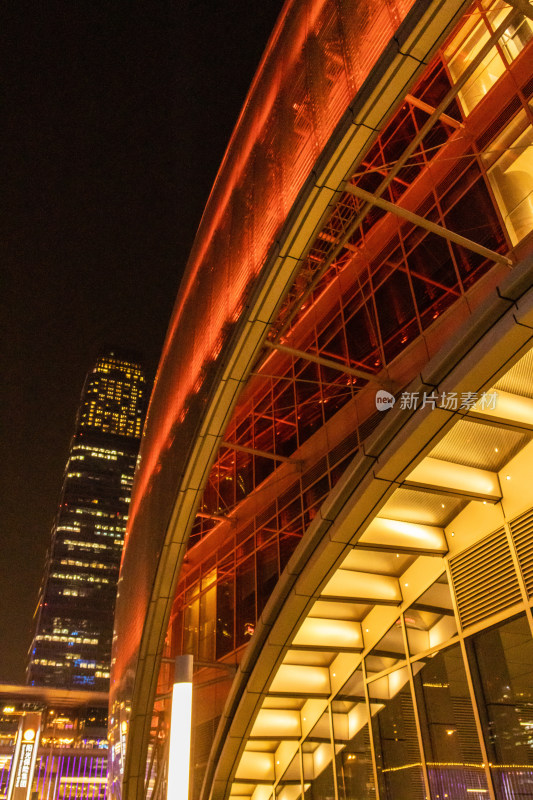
72	642
70	735
334	513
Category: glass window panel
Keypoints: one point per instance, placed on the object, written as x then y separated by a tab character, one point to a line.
225	589
336	396
289	517
314	496
287	544
430	621
317	754
322	786
517	35
433	274
292	775
209	576
321	730
289	791
263	431
433	88
388	652
354	688
245	606
461	52
474	216
309	413
395	309
398	758
191	621
511	177
361	334
225	487
244	464
267	573
449	733
355	775
334	347
392	643
398	135
262	468
206	643
502	659
329	331
430	259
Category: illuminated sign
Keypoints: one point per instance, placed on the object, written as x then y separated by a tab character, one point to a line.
21	778
23	768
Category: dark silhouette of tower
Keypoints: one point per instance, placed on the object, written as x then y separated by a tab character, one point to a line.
74	619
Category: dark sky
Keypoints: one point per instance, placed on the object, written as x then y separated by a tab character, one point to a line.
118	114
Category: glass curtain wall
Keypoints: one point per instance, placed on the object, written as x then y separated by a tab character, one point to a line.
415	720
391	284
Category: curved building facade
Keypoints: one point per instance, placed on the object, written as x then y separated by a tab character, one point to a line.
332	512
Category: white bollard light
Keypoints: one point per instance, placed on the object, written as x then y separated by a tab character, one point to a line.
179	754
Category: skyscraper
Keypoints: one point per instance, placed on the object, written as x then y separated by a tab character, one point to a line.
74	619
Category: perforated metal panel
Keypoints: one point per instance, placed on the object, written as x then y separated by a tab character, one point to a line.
411	505
482	446
522	531
518	379
484	579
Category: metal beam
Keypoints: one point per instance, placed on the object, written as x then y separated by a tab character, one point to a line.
215	517
324	362
400	163
229	668
254	452
415	101
432	227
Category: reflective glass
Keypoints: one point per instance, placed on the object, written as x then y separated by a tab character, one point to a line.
267	573
398	758
317	756
430	621
461	52
245	606
191	619
206	638
449	733
511	177
502	659
355	774
516	37
225	608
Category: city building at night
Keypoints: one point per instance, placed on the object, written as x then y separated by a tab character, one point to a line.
74	624
333	512
66	733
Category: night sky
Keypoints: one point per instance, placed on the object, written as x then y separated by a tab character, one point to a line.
118	115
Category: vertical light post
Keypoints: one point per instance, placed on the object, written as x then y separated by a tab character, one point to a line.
179	751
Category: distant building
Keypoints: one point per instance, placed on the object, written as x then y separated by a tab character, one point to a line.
65	734
72	643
